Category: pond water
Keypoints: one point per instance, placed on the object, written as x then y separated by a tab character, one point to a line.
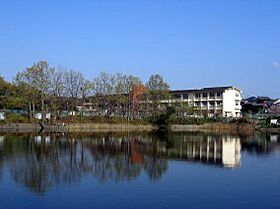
182	170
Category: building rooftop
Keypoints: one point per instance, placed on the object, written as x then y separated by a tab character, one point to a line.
205	90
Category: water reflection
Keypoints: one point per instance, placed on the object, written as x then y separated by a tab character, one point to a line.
41	162
1	155
218	150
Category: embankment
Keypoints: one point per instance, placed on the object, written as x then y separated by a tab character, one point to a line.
231	128
76	127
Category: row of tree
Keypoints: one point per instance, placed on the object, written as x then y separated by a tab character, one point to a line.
54	89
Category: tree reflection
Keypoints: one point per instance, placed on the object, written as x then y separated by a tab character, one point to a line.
44	165
46	161
42	162
1	155
155	167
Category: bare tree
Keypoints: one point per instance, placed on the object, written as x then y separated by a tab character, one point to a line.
157	91
104	90
76	87
37	77
112	92
57	87
73	82
131	83
86	90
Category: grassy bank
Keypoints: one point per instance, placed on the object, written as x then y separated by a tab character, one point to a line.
127	127
76	127
229	128
116	124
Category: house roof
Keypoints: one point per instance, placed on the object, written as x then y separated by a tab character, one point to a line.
204	90
277	102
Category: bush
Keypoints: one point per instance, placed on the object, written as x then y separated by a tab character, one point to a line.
163	119
194	120
242	120
15	118
98	119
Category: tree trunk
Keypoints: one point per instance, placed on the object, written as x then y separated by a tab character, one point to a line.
43	110
33	109
30	111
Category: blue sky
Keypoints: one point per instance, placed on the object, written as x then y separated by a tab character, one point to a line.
192	44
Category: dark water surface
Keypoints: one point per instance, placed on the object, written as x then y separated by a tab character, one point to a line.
47	171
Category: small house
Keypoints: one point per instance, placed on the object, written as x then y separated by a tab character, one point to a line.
48	116
2	116
274	122
39	116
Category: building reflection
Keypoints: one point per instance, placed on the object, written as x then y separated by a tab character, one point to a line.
223	151
1	154
41	162
231	151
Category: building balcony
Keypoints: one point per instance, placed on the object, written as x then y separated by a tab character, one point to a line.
238	107
211	98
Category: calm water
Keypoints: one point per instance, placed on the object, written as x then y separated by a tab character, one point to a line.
139	171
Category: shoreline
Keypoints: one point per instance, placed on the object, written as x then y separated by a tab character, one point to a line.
76	127
231	128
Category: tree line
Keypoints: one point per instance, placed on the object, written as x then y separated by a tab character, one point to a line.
43	88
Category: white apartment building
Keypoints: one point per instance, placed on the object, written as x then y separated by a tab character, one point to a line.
219	101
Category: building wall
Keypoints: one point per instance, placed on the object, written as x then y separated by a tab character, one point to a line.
231	103
2	116
226	103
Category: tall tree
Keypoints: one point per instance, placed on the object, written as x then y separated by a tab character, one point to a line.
112	92
122	88
104	90
76	86
157	92
132	83
28	93
156	83
57	87
3	93
86	90
36	79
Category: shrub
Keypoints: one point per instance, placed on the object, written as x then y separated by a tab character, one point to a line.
15	118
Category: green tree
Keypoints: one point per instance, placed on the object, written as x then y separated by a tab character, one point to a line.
10	96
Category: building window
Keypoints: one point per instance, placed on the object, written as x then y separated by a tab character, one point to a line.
219	94
212	95
211	103
204	95
177	96
237	95
185	96
203	104
219	104
197	95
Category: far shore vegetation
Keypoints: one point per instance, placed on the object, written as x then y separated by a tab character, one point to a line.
62	95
